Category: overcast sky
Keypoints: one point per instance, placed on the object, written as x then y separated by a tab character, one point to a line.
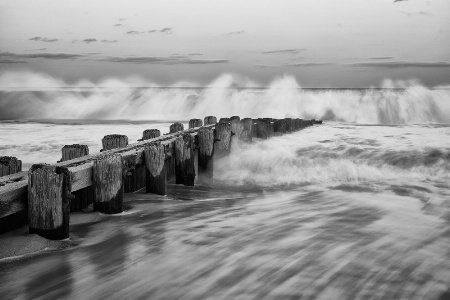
322	43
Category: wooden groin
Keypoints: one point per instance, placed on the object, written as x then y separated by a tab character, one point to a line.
46	194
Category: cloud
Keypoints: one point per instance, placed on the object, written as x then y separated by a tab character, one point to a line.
310	64
399	0
152	31
286	51
381	57
11	61
110	42
8	57
420	13
166	30
401	64
117	25
45	39
195	54
122	19
134	32
171	60
90	40
41	49
235	32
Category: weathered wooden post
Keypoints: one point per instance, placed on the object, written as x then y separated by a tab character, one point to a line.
296	125
175	127
210	120
9	165
302	124
246	133
205	154
107	173
224	120
279	126
223	137
113	141
156	178
184	160
150	134
83	197
195	123
254	128
289	125
318	122
48	201
264	128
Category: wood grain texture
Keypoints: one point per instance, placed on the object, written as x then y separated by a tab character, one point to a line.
48	202
205	153
210	120
150	134
194	123
264	128
108	183
279	126
184	160
289	125
175	127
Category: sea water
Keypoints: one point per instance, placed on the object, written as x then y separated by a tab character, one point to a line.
356	208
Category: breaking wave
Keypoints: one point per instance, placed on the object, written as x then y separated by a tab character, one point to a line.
44	97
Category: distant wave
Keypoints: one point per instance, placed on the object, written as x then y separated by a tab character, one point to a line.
395	103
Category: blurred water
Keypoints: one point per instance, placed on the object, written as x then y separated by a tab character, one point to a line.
338	211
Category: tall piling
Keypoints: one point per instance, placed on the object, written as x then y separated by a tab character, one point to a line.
246	133
210	120
205	154
155	168
175	127
107	173
264	128
9	165
289	125
279	126
184	160
223	138
193	123
149	134
83	197
48	201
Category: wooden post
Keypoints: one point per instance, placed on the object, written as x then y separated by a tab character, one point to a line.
48	201
156	181
81	198
254	128
184	160
9	165
74	151
175	127
279	126
114	141
247	127
224	120
264	128
318	122
289	125
302	124
13	201
195	123
107	176
223	137
150	134
296	123
205	154
210	120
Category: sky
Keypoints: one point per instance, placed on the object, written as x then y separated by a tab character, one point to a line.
321	43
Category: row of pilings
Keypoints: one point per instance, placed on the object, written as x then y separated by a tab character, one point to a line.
80	179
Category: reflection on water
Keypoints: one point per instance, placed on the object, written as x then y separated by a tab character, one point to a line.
249	243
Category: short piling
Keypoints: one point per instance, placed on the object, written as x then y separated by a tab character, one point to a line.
184	160
279	126
156	178
210	120
48	201
205	154
193	123
175	127
107	174
113	141
264	128
9	165
74	151
289	125
149	134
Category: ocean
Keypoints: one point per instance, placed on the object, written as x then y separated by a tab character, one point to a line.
355	208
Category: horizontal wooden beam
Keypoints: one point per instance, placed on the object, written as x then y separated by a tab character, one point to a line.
13	193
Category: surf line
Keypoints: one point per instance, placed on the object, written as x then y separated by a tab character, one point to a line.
44	196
